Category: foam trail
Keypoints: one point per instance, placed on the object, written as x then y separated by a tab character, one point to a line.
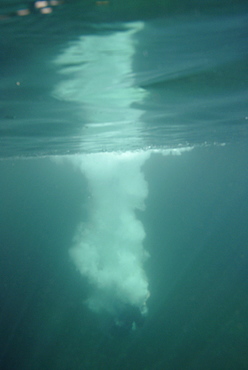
109	250
97	74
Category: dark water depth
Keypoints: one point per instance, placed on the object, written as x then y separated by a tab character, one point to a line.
195	221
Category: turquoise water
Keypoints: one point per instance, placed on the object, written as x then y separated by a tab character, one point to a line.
123	177
176	77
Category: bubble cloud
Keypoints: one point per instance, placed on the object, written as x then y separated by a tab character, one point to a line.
109	250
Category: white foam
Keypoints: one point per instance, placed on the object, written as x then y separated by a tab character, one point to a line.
109	249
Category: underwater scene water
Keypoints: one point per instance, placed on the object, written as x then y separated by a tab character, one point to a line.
123	184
